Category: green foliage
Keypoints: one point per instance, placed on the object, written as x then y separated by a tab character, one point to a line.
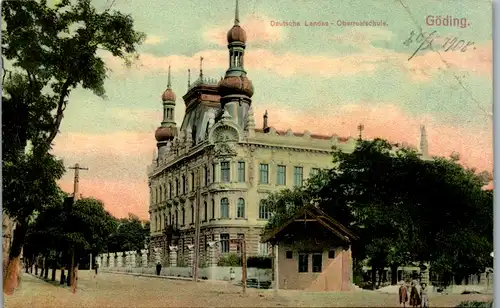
47	51
475	304
403	208
230	259
130	235
260	262
82	227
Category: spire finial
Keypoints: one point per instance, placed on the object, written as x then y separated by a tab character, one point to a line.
201	67
169	85
189	78
237	14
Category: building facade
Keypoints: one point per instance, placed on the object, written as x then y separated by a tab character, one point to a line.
219	166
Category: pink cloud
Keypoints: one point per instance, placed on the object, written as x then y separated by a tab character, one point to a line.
257	27
389	122
367	61
478	61
117	161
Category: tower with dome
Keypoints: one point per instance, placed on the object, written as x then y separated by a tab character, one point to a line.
220	166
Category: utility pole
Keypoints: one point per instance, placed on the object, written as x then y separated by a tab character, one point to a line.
73	270
243	244
196	260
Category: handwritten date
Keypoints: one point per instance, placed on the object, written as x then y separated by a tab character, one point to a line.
426	41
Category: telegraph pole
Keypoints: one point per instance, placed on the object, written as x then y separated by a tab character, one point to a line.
196	260
73	271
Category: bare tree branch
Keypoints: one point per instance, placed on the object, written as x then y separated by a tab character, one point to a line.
61	106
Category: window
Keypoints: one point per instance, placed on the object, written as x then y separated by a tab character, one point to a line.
289	254
207	174
214	166
317	259
298	176
192	213
177	187
183	216
264	174
170	218
240	210
263	249
192	181
241	171
213	209
160	198
281	176
170	189
205	211
176	218
331	254
303	262
183	184
314	171
224	208
224	243
263	210
225	171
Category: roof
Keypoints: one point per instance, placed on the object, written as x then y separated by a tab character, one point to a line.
319	216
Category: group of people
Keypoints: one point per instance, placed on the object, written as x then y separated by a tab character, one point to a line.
418	294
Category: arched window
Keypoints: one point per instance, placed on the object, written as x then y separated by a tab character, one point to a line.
263	210
192	213
176	218
240	210
213	209
177	186
160	198
170	190
183	216
224	208
183	184
205	211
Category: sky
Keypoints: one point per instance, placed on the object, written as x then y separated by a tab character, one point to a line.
324	79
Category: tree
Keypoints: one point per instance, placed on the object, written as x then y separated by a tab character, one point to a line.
403	208
51	51
130	235
72	229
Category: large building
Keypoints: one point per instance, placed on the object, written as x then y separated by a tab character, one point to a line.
219	163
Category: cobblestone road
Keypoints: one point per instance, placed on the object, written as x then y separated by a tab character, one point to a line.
116	290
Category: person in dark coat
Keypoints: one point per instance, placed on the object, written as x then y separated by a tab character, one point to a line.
403	294
96	267
415	300
158	268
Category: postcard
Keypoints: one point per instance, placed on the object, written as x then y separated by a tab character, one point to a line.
247	153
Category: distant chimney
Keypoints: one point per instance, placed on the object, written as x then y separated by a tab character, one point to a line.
266	127
424	147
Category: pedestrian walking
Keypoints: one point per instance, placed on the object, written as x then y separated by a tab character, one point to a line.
415	300
424	296
96	267
158	268
403	294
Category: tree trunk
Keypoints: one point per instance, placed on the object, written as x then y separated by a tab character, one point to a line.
54	268
374	277
62	281
394	274
71	270
46	271
10	280
74	284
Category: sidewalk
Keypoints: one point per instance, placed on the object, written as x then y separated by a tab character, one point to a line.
34	292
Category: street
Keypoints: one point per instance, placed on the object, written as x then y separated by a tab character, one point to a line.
116	290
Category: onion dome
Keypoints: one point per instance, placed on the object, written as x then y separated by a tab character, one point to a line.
236	34
165	133
235	85
168	95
